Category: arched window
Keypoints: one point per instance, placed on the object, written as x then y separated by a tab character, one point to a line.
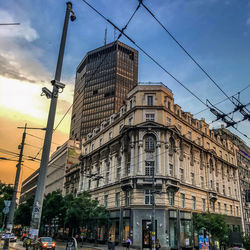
149	143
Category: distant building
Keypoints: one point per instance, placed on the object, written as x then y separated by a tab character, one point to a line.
195	170
103	79
28	188
61	160
243	162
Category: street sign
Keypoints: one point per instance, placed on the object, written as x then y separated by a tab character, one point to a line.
6	210
7	203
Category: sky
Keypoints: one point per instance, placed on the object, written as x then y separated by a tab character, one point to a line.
215	32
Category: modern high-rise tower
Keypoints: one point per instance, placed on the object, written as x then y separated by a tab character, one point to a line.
103	79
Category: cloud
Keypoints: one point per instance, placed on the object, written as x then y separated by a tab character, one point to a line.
248	21
24	30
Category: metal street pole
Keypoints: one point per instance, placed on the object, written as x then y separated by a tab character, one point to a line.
18	170
38	202
153	211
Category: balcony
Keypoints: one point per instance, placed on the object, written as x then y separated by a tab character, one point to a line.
172	184
147	181
212	195
127	184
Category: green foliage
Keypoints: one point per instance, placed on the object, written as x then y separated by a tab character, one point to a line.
215	224
53	206
5	194
73	212
246	241
23	213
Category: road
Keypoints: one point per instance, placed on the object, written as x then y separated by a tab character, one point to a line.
60	246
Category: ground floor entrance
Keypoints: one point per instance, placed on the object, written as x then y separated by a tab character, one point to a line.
146	233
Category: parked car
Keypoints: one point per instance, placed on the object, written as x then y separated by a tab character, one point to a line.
9	236
47	243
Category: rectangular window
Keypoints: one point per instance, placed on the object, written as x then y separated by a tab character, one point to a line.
168	121
193	202
202	181
217	187
182	200
171	198
148	197
127	198
203	205
237	211
149	168
117	199
192	179
225	208
150	100
198	140
189	135
208	145
219	208
150	117
224	190
131	104
171	170
118	173
93	146
106	200
231	209
179	128
229	191
181	174
101	140
213	206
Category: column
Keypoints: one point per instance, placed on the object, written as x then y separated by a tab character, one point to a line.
176	164
158	158
140	146
167	160
122	163
214	175
132	158
80	182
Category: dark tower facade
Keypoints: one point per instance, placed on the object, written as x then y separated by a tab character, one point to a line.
103	79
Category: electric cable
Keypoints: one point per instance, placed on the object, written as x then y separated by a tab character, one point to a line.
187	53
149	56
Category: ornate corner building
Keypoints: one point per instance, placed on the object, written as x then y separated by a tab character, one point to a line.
195	169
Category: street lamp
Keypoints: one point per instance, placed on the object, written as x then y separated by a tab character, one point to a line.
57	88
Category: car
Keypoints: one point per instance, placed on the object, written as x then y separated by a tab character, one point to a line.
10	236
236	248
47	243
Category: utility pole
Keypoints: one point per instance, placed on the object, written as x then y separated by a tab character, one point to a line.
153	210
57	88
18	170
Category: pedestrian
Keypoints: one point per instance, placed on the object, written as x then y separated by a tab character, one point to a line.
128	243
157	244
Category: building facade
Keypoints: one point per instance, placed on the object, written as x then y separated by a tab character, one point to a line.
28	188
194	170
243	163
60	161
103	79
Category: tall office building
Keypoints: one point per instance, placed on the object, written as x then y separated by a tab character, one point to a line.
103	79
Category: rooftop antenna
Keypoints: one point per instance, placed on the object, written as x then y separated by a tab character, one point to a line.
105	37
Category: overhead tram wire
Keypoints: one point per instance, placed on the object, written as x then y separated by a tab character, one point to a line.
141	49
223	100
91	77
149	56
41	138
187	53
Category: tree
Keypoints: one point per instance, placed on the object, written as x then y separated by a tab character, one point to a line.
53	205
6	192
23	213
215	224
